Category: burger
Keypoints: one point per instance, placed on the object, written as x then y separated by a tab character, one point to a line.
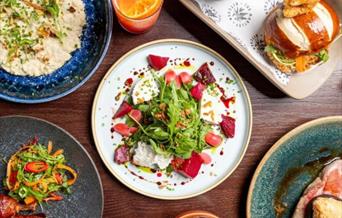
298	33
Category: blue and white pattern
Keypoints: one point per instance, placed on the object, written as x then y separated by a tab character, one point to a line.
212	13
239	14
75	72
257	42
243	21
269	5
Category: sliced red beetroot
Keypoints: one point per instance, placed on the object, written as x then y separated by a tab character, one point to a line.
204	75
124	109
197	91
191	166
157	62
228	126
121	154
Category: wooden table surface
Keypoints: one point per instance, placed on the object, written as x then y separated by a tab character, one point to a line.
274	115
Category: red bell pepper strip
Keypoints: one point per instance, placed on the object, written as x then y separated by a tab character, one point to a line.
13	177
36	167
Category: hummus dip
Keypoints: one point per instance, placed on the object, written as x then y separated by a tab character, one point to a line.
38	36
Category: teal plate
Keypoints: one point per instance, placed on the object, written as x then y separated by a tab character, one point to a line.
311	141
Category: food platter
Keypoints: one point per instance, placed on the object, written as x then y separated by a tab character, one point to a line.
86	199
75	72
250	45
316	140
109	97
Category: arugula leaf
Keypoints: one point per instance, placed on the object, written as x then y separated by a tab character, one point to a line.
172	123
160	134
158	149
143	107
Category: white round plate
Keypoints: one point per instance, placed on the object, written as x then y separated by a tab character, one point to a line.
108	98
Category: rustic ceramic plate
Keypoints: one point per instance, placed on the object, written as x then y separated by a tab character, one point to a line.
86	200
243	22
75	72
110	94
311	141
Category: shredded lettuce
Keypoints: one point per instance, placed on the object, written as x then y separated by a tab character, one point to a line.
279	56
323	55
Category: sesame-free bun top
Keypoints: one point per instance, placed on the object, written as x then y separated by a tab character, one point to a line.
303	34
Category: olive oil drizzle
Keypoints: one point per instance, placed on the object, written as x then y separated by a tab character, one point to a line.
313	168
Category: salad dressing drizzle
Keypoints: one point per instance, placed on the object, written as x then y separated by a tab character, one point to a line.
161	184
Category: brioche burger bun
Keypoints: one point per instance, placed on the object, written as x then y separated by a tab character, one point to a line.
294	44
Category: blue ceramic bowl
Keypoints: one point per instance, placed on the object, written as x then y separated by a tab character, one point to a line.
306	143
83	64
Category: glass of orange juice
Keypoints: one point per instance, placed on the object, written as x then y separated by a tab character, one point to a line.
137	16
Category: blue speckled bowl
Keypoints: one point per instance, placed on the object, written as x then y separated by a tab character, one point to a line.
83	64
296	148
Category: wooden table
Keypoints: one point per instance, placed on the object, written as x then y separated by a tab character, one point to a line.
274	115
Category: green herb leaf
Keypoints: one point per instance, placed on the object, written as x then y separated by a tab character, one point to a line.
323	55
53	8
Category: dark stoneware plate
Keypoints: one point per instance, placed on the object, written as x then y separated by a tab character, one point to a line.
86	199
319	139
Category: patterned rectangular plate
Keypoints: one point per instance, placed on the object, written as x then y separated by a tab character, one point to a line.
240	23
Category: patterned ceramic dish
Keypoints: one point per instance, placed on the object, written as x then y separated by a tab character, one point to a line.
109	97
86	199
83	64
312	141
240	23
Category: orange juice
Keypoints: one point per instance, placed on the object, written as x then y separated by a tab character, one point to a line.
137	16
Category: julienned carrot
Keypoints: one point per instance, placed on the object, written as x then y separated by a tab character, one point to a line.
53	197
29	200
58	152
70	170
50	146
